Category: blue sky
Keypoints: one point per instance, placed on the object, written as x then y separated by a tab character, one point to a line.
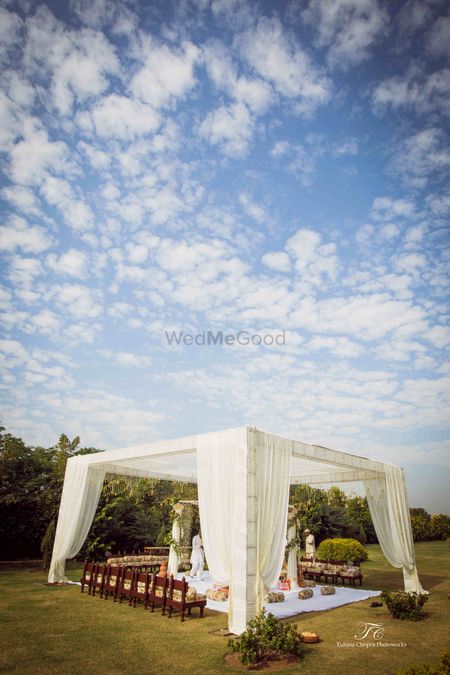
211	164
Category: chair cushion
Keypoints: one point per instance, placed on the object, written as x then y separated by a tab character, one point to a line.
327	590
273	596
305	593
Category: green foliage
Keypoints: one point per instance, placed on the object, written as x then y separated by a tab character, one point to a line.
403	605
24	473
427	528
441	668
330	513
341	549
265	635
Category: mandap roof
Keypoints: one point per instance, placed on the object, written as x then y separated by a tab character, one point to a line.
175	459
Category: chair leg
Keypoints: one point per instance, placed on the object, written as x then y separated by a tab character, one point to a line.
201	612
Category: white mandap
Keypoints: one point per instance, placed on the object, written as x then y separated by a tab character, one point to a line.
243	477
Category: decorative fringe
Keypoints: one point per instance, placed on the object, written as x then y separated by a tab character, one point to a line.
117	484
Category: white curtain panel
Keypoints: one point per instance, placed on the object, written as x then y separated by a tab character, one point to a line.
81	492
216	481
273	462
172	566
243	494
389	509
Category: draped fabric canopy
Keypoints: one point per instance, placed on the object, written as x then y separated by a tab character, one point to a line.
243	478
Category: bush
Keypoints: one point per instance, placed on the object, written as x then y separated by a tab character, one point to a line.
341	549
441	668
265	635
403	605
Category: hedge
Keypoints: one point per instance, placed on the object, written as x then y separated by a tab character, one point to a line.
341	549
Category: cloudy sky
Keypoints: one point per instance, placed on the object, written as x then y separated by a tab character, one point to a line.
219	164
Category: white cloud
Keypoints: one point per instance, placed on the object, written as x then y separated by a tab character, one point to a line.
78	61
439	336
413	15
45	322
22	198
349	28
121	117
10	26
301	159
417	90
349	147
256	94
399	350
438	39
420	155
386	208
277	261
167	74
77	214
34	157
24	270
98	158
229	127
29	238
341	346
314	261
127	358
410	262
277	57
81	302
255	211
71	263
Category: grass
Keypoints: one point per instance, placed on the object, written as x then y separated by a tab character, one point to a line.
58	630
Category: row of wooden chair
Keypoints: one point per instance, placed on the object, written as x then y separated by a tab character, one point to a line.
133	584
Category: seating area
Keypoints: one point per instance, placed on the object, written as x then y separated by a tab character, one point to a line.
131	583
331	571
150	556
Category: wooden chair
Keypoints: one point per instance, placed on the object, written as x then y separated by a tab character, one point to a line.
86	579
126	584
158	592
141	588
352	578
98	578
112	581
178	598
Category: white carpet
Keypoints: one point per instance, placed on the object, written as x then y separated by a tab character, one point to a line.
291	605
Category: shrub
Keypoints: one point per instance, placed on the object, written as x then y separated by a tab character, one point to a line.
403	605
265	635
441	668
341	549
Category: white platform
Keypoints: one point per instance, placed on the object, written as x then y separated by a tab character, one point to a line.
291	605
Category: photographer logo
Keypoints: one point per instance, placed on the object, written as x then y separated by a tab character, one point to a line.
369	630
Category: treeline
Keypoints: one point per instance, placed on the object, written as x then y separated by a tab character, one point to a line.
136	513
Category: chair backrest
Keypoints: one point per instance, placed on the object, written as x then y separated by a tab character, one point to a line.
142	582
159	584
178	585
88	568
127	578
112	574
99	572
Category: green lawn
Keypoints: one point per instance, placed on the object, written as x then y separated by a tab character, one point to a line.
58	630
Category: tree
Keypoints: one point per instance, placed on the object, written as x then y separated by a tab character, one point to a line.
24	472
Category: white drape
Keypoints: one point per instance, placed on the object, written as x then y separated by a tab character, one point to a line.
172	566
216	500
388	504
273	460
243	494
81	492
